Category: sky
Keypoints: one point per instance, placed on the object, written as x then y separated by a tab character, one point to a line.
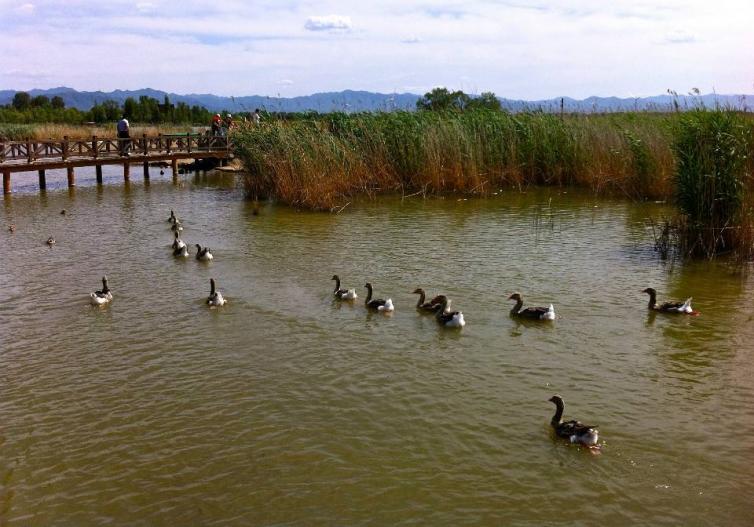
519	49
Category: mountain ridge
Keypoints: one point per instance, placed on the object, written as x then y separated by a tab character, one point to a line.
360	101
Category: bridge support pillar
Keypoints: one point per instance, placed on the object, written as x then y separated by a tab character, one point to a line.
146	170
174	166
98	169
71	177
6	182
126	171
42	180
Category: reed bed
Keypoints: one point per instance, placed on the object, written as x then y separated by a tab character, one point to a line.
321	162
40	132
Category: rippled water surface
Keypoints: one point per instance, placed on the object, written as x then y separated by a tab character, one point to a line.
287	408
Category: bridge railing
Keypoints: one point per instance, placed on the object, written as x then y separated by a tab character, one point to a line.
95	147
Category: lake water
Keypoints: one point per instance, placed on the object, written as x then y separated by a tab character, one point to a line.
287	408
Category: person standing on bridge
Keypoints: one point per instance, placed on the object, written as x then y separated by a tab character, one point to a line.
124	136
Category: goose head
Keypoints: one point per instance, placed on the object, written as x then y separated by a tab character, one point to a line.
556	399
335	277
368	286
418	291
515	296
649	291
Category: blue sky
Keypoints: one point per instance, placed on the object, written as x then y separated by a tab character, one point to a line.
526	49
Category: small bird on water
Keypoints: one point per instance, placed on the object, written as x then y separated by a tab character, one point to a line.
50	241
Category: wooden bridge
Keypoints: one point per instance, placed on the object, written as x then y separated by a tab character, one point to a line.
33	155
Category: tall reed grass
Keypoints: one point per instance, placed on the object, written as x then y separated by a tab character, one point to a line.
321	162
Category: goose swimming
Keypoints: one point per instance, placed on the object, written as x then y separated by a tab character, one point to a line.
215	298
103	296
669	307
447	318
203	255
427	307
177	242
377	304
534	313
343	293
181	252
574	431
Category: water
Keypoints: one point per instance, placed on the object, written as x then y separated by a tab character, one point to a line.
286	408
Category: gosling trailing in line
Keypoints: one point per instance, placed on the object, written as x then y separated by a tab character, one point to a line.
177	242
669	307
447	318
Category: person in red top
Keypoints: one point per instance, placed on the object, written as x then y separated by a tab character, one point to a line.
216	124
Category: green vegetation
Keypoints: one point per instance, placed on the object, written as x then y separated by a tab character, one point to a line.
25	109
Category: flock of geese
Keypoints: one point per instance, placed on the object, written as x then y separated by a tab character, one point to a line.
439	306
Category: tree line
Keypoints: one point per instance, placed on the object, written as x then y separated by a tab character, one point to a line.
25	109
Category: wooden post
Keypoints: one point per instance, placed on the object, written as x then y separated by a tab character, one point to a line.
94	146
64	148
98	169
42	180
146	169
174	166
6	182
29	151
188	141
159	142
126	171
71	177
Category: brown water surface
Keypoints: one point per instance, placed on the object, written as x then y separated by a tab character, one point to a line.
287	408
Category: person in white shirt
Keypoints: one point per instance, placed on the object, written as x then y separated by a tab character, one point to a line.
124	136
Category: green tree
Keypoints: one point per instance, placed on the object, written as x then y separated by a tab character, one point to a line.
443	99
21	100
40	101
57	102
487	100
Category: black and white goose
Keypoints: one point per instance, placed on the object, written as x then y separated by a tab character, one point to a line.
574	431
50	241
204	254
377	304
669	307
447	318
341	292
176	226
103	296
172	218
533	313
427	307
215	298
181	252
177	242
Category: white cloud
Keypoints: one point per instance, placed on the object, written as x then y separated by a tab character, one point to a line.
145	7
26	9
286	82
411	40
328	23
680	37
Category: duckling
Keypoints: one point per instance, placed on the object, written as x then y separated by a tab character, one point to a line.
427	307
447	318
50	241
177	242
377	304
12	228
574	431
215	298
103	296
669	307
342	293
203	255
534	313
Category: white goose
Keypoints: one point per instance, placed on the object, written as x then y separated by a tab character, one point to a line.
103	296
177	242
215	298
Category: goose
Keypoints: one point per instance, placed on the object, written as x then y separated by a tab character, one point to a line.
447	318
176	226
574	431
172	218
215	298
377	304
50	241
427	307
203	254
669	307
342	293
177	242
534	313
103	296
181	252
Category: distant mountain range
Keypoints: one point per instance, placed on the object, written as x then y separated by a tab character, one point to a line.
359	101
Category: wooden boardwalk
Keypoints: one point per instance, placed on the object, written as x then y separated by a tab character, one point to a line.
33	155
